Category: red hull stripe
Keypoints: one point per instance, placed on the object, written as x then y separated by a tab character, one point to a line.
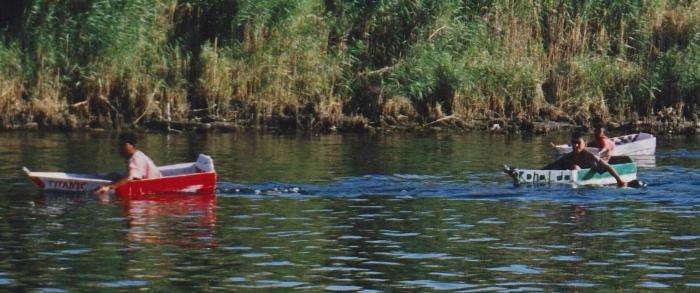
37	181
198	183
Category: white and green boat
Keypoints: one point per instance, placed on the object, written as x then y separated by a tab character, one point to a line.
624	166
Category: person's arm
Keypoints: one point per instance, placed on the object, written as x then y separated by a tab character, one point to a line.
132	173
607	147
599	164
120	182
611	170
620	182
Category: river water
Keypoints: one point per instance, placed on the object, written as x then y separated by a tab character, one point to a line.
348	213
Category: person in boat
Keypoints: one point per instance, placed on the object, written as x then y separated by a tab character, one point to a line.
604	143
139	166
580	158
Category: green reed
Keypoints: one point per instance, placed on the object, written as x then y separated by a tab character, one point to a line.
323	64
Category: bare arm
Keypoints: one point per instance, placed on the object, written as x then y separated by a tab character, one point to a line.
601	164
115	185
119	182
612	172
606	148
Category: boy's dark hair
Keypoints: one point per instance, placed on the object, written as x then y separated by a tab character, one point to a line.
576	135
127	137
599	129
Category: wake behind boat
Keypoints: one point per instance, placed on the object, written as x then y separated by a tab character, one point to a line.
623	166
193	177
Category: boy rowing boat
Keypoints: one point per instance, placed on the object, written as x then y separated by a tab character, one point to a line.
580	158
139	166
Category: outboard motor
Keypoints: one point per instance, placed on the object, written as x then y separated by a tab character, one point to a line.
204	163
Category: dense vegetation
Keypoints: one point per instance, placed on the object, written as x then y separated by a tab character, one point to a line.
320	64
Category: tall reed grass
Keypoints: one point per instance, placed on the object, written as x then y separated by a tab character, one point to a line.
322	64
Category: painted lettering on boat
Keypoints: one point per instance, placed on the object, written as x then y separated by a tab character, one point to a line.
66	185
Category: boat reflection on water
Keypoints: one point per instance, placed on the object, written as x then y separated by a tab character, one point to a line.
179	219
644	161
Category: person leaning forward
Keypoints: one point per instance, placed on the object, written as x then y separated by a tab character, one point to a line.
604	143
139	166
580	158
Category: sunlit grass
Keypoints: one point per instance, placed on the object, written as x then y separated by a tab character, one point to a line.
315	64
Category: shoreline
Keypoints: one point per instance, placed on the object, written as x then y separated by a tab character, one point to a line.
354	125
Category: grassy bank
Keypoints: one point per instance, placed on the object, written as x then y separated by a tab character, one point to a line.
335	64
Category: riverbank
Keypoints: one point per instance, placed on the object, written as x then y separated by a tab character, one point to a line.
326	66
656	125
450	123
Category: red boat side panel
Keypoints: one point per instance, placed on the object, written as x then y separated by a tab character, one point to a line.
191	183
199	199
37	181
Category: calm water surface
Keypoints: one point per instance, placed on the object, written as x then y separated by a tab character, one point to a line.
348	213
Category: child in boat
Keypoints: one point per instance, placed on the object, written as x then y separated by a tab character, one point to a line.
580	158
604	143
139	166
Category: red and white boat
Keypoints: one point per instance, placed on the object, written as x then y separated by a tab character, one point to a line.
195	177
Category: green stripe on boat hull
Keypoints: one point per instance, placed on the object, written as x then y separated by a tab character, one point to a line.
628	172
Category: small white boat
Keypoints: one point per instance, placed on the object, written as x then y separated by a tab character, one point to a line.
623	165
639	144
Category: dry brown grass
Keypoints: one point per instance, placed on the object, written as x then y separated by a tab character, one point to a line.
275	78
47	105
215	85
11	86
506	60
399	109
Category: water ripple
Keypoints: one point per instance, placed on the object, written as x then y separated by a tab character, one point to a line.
435	285
124	283
518	269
